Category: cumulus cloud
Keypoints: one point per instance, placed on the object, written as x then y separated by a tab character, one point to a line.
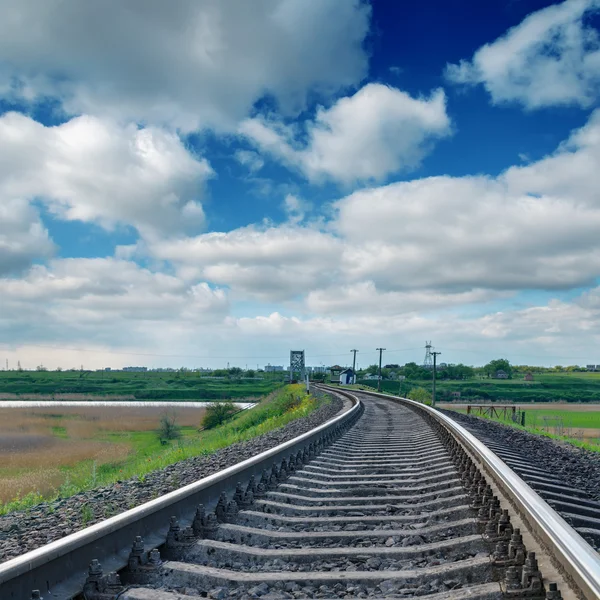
23	237
96	171
189	64
551	58
103	300
435	239
296	208
363	297
365	137
250	159
272	263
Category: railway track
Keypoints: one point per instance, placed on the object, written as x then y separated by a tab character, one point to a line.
580	510
389	500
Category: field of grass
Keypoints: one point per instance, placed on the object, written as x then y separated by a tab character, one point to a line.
546	387
577	424
46	453
87	385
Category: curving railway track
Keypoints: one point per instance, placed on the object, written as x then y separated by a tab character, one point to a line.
390	499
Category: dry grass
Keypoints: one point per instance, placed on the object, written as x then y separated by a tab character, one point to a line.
38	444
64	453
72	397
87	421
40	480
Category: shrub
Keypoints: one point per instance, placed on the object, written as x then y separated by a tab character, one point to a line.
169	430
420	395
218	413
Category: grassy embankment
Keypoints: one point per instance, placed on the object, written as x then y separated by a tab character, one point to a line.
577	427
176	385
575	423
90	450
545	387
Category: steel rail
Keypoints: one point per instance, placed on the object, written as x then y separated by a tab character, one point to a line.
59	569
580	561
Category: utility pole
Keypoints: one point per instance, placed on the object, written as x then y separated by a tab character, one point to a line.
353	364
435	355
380	350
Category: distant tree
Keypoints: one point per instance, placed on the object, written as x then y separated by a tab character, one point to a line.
412	370
41	368
59	369
499	364
459	371
250	373
420	394
318	376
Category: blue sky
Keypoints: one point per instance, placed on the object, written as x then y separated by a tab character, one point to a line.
189	184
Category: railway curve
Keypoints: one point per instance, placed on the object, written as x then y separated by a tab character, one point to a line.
389	499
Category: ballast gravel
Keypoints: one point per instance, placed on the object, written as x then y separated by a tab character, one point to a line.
576	467
24	531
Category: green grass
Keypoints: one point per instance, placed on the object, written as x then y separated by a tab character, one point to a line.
546	387
575	419
59	432
534	423
569	418
143	386
281	407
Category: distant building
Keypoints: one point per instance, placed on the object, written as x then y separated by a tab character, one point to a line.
371	377
592	367
335	372
500	374
528	377
135	369
274	368
347	377
455	395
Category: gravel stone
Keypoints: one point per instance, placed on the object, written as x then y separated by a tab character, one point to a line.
23	531
577	467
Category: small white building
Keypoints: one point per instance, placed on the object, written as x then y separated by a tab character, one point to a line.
347	377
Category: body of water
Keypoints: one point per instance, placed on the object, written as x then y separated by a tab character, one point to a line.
123	403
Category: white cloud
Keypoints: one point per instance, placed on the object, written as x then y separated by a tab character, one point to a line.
296	208
250	159
23	237
96	171
103	301
189	64
365	137
363	298
434	240
551	58
570	173
272	263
